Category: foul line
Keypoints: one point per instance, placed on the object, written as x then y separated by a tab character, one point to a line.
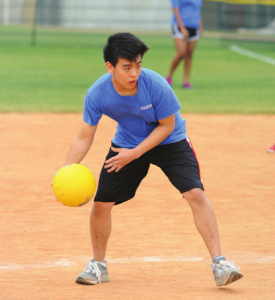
68	263
73	261
251	54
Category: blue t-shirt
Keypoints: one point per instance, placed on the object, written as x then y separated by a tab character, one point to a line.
137	116
190	12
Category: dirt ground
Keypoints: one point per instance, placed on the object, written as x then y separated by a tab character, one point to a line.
154	251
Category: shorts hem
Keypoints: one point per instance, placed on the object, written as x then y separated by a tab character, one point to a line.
191	187
193	38
118	201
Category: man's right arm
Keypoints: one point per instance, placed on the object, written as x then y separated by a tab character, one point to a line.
81	144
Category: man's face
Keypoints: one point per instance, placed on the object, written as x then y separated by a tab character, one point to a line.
125	74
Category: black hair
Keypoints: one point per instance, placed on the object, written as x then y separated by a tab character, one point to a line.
123	45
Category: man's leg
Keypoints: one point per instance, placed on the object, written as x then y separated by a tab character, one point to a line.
100	225
225	272
205	219
100	228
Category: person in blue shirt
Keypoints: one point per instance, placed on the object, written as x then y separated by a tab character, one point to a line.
150	130
186	30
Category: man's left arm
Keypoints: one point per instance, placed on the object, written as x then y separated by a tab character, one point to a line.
125	156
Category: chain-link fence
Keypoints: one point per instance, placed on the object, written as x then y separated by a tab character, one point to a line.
25	20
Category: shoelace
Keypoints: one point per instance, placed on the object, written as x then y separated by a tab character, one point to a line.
225	264
92	266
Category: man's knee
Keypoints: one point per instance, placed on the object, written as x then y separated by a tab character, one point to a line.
195	196
102	208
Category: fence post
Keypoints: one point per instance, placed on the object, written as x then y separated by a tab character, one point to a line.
35	21
223	16
6	12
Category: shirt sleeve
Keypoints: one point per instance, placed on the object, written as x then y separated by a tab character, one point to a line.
166	104
91	111
174	3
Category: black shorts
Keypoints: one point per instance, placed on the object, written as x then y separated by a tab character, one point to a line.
194	34
177	160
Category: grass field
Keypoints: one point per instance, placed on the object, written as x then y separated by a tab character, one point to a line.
154	251
54	75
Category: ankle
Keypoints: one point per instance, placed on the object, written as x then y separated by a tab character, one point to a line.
218	258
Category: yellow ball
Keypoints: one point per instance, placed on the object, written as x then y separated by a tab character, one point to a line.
74	185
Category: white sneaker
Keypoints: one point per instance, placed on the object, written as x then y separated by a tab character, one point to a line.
226	272
94	273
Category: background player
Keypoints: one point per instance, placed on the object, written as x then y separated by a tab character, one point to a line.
186	30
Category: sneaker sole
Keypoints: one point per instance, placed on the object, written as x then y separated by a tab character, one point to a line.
81	280
233	277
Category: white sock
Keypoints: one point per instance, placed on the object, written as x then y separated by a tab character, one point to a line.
103	264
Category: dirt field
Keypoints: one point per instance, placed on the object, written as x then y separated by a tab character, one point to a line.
154	251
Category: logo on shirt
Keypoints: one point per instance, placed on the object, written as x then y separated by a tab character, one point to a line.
146	107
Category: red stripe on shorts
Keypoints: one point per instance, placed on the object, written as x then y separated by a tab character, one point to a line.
191	146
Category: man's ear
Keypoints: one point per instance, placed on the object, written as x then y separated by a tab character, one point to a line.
109	67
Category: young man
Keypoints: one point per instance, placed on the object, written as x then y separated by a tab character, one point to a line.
150	130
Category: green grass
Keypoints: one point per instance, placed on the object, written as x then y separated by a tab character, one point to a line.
55	75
